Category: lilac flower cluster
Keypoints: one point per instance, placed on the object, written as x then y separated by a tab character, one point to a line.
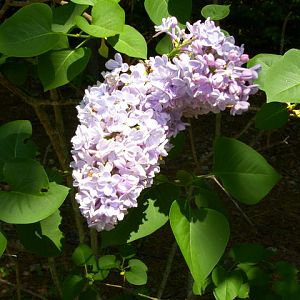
126	121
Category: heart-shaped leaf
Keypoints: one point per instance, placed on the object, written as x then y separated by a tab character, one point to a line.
137	273
130	42
202	236
43	238
108	19
215	12
245	174
28	32
59	67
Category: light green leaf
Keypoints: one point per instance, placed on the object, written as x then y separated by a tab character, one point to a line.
3	243
272	116
158	9
64	16
130	42
202	236
24	208
228	285
85	2
265	60
215	12
282	82
33	36
137	273
43	238
151	214
103	49
57	68
108	19
245	174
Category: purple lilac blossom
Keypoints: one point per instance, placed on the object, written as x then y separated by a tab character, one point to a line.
126	122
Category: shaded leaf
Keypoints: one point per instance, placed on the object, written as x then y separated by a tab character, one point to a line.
215	12
72	286
84	256
59	67
245	174
43	238
271	116
33	37
3	243
164	46
137	273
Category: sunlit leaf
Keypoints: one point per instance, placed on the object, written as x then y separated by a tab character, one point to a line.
202	236
215	12
3	243
28	32
130	42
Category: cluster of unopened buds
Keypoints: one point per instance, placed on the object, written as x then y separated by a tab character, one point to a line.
126	121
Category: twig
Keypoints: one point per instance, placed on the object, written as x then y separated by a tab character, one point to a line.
94	241
193	148
234	202
54	276
129	290
23	289
282	40
167	270
32	100
245	129
4	8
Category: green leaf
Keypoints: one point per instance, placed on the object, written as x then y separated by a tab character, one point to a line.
158	9
57	68
24	208
164	46
244	291
85	2
103	49
64	16
202	236
26	176
151	214
256	276
265	60
178	142
84	256
72	286
43	238
249	253
282	83
89	293
271	116
108	19
13	140
137	273
130	42
3	243
245	174
227	285
33	36
106	263
215	12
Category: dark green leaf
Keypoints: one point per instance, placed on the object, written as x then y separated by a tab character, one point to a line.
89	294
164	46
15	72
106	263
202	235
24	208
271	116
83	255
137	273
43	238
149	216
249	253
3	243
245	174
33	36
130	42
63	16
108	19
215	12
57	68
72	286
